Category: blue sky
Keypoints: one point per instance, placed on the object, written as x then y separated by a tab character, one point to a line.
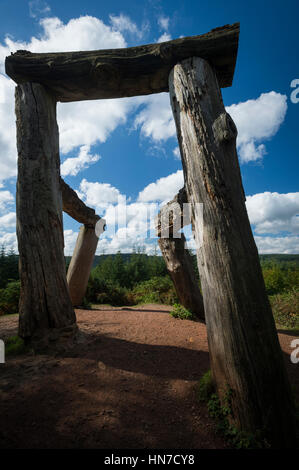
119	150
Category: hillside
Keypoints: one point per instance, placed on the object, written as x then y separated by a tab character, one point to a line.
277	258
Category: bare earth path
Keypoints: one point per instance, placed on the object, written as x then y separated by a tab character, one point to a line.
129	383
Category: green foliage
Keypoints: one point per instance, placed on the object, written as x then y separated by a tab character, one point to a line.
127	271
206	387
9	298
129	280
14	345
106	292
284	261
221	413
285	308
280	276
8	267
85	304
156	290
274	280
181	312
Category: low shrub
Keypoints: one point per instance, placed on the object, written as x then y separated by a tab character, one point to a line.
280	278
274	280
222	413
14	345
178	311
106	292
206	387
156	290
285	308
9	298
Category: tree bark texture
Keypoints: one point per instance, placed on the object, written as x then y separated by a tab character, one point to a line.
116	73
246	358
172	217
81	264
44	300
180	267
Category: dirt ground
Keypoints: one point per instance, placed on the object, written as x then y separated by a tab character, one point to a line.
129	383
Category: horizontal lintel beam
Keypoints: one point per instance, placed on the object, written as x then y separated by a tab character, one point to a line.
117	73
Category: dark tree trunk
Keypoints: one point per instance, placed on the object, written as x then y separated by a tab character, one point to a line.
180	267
245	354
45	301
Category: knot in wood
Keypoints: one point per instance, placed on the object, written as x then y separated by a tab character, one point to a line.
166	51
224	128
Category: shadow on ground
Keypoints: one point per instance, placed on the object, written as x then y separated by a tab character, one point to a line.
106	393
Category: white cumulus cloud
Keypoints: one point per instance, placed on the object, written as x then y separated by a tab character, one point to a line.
90	122
9	240
164	189
72	166
7	221
129	224
155	120
80	123
8	149
164	37
99	195
257	120
70	238
6	199
84	33
176	152
284	245
274	212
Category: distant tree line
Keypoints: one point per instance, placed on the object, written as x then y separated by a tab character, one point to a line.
8	266
127	280
9	281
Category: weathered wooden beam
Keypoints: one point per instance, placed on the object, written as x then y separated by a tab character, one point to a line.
180	267
246	358
75	208
172	217
86	245
81	264
44	302
116	73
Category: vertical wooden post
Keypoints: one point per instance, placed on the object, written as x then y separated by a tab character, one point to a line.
245	354
179	265
172	217
81	263
44	301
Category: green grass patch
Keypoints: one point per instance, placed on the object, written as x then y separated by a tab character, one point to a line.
221	413
237	439
206	387
178	311
14	345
